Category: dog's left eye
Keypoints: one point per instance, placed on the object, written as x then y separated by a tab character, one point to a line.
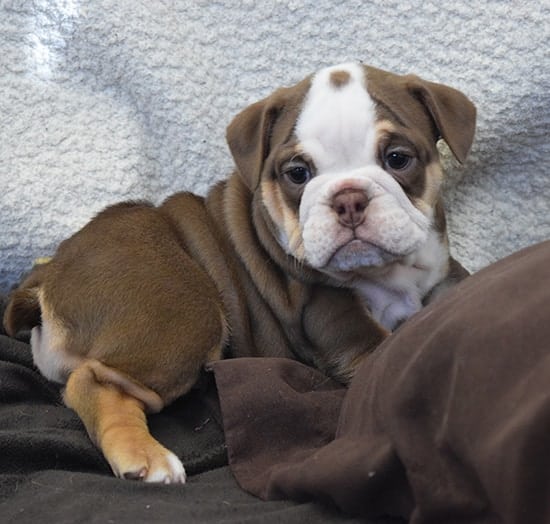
398	161
298	175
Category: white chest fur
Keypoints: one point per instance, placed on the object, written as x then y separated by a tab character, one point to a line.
395	293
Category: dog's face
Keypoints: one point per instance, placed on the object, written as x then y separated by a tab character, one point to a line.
347	165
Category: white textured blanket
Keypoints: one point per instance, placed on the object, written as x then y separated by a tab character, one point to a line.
105	100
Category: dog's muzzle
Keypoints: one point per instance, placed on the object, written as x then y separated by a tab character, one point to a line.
358	219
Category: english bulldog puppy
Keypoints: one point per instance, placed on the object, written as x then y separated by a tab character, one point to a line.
328	235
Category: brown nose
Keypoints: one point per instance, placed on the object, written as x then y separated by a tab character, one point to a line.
350	205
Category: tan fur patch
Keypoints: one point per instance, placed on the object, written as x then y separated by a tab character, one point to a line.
339	78
434	178
384	127
284	218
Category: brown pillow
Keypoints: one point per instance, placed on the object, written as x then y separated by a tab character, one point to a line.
447	421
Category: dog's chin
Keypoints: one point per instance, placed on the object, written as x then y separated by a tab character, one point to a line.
358	255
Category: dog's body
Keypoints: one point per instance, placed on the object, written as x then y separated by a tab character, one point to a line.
329	234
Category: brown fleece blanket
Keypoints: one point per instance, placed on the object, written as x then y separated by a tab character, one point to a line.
448	421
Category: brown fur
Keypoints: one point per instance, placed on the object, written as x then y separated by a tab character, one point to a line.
135	303
339	78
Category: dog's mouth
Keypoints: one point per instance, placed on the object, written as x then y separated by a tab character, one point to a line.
357	254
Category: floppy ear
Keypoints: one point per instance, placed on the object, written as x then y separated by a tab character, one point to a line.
452	112
256	130
248	137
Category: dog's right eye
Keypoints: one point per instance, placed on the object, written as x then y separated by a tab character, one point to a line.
298	175
398	161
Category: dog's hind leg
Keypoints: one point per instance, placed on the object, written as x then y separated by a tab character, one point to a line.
116	422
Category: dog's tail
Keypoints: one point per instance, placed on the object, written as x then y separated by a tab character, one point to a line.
23	308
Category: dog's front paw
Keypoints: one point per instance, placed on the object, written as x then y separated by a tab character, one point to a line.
146	461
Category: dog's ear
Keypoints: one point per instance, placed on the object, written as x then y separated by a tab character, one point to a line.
452	112
256	130
248	138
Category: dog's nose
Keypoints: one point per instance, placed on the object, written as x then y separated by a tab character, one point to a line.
350	205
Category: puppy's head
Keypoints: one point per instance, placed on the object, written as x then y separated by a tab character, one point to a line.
347	165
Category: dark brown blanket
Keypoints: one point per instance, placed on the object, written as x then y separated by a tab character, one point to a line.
448	421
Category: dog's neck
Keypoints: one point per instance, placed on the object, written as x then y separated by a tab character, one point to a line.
272	273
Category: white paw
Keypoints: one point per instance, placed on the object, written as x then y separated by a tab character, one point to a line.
171	471
153	464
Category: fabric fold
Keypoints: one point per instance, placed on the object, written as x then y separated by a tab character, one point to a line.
447	421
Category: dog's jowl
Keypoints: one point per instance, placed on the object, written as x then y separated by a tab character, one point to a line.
328	235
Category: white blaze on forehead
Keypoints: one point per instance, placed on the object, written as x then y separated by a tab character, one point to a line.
336	127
